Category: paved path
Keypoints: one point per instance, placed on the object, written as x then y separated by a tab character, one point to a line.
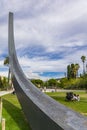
2	93
60	90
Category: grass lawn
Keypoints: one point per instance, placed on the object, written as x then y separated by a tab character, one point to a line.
80	106
13	114
15	119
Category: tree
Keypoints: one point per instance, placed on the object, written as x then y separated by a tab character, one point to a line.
5	82
77	68
6	63
72	70
68	71
83	58
52	82
86	68
37	82
1	84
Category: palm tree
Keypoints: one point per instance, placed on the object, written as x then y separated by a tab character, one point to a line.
73	71
6	62
68	72
86	68
77	68
83	58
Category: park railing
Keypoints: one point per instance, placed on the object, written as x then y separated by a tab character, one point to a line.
42	112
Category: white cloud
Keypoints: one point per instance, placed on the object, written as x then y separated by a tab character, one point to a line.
58	26
38	65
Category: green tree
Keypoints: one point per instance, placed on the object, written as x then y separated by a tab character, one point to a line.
6	63
72	70
68	72
5	83
37	82
1	84
52	82
83	58
77	66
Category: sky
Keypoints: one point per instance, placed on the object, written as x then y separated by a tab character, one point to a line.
49	35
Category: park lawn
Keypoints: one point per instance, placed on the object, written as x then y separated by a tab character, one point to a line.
80	106
13	114
15	119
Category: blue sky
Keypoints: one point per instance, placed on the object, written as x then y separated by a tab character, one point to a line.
49	35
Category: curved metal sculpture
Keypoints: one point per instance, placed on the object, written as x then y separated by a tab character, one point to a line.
42	112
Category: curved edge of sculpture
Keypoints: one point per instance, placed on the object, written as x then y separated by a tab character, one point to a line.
41	111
